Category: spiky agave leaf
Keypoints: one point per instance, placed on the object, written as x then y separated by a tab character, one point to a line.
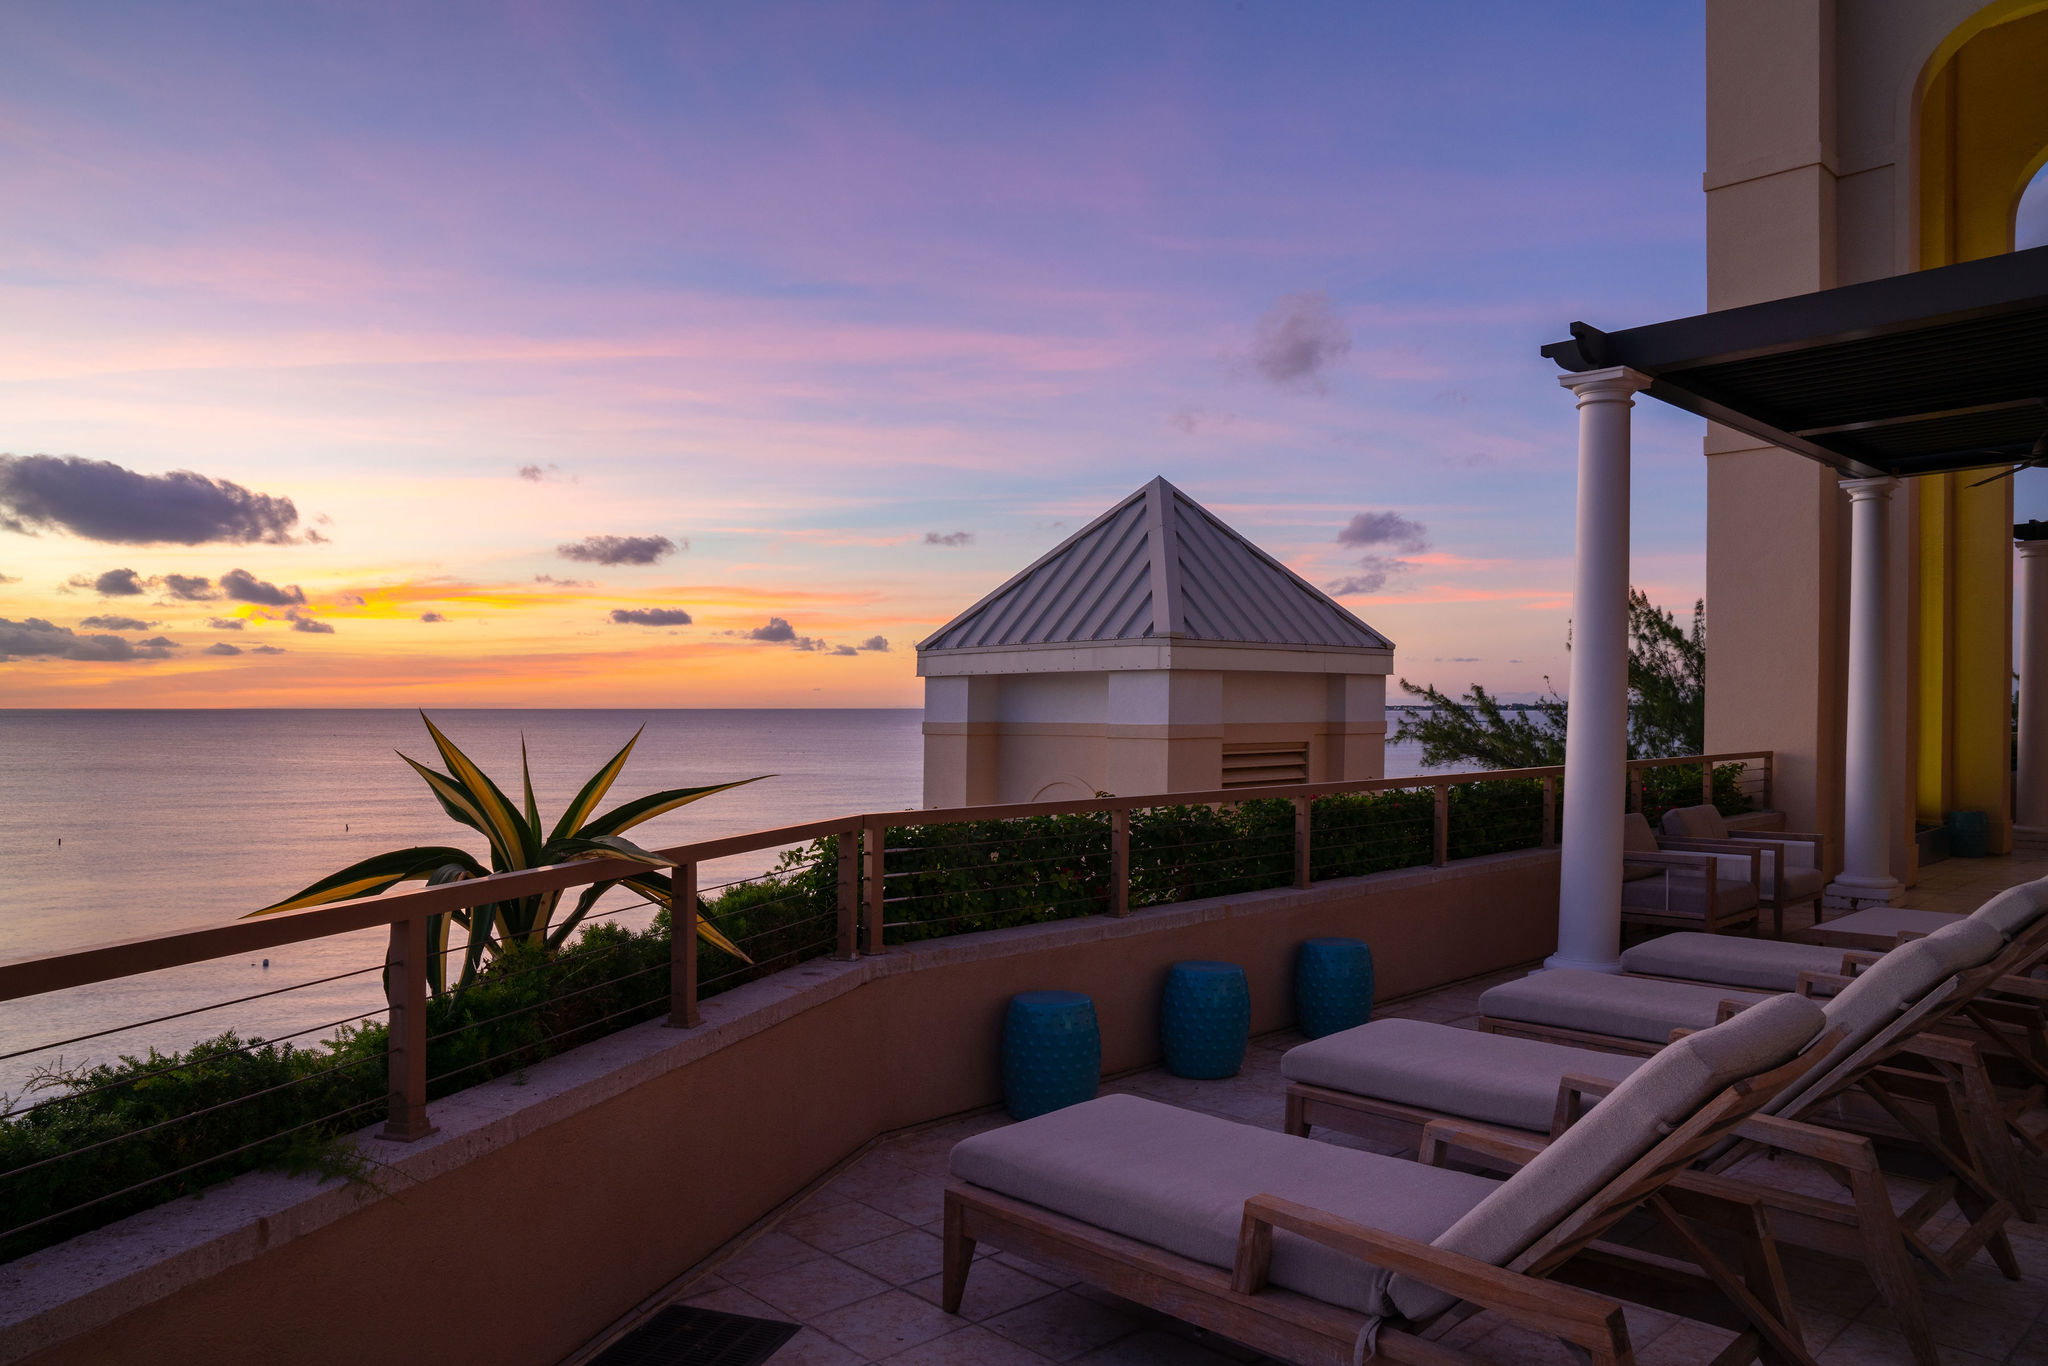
626	815
378	873
593	791
560	934
437	928
526	776
659	889
580	847
455	801
503	821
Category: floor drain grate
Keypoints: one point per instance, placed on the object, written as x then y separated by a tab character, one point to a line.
681	1336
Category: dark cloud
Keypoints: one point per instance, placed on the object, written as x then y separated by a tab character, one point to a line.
1298	340
115	583
879	644
301	622
39	639
159	643
266	649
618	549
243	586
224	623
188	587
432	616
221	647
844	650
1385	528
102	501
116	624
535	474
650	616
564	583
1378	569
777	630
950	538
353	599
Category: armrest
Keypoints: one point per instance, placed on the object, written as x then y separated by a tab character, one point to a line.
1699	863
2033	988
1809	980
1856	960
1589	1321
1805	1140
1727	1008
1510	1147
1572	1089
1948	1048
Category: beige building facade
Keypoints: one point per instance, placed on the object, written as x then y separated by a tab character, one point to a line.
1849	140
1155	650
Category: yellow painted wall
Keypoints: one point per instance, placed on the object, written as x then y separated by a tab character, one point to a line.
1983	133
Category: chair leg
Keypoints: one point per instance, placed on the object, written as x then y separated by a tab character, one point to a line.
1297	1115
957	1258
1760	1294
1890	1266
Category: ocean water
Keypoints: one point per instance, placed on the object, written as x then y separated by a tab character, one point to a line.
125	824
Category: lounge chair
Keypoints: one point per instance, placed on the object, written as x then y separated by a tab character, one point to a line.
1321	1254
1793	867
1692	890
1499	1091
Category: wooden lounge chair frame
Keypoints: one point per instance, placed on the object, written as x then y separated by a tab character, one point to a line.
1242	1306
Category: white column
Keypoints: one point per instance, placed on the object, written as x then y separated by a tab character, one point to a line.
2030	805
1596	736
1866	874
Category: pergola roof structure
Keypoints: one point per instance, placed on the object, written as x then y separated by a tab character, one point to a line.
1943	369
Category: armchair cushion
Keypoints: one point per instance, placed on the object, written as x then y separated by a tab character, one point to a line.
1694	823
1682	891
1493	1078
1178	1179
1637	838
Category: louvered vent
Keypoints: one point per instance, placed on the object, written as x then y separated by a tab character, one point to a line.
1264	765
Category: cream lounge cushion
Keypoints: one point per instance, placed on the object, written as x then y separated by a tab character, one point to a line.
1602	1003
2015	909
1903	976
1178	1179
1664	1091
1765	964
1493	1078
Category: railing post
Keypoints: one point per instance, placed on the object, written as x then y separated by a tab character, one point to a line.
682	948
1707	782
1120	861
877	837
848	947
1301	851
1550	811
1440	831
405	989
1770	765
1635	789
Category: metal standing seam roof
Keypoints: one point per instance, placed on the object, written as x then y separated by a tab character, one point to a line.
1158	565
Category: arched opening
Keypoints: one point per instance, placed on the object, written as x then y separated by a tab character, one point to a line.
2030	220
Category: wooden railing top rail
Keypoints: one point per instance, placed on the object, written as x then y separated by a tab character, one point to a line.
153	953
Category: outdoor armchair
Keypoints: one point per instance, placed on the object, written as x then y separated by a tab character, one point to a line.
1793	866
1320	1254
1692	890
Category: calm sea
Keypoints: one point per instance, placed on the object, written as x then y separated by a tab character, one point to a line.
120	824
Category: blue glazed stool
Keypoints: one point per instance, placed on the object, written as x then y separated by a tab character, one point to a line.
1332	985
1052	1052
1205	1020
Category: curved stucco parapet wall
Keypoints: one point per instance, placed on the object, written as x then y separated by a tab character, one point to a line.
552	1202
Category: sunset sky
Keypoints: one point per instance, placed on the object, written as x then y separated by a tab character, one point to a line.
713	355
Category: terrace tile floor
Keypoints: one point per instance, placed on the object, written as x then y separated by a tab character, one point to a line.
857	1262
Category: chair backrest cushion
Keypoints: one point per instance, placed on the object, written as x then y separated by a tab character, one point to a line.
1637	838
1665	1091
1694	823
1892	983
2015	909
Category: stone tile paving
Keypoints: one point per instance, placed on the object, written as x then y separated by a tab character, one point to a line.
857	1263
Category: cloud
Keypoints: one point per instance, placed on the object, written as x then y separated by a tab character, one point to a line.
160	643
535	474
1378	569
35	638
353	599
9	578
776	630
954	539
221	647
844	650
564	583
618	549
243	586
187	587
266	649
1385	528
879	644
432	616
224	623
1188	421
650	616
102	501
115	583
116	624
301	622
1298	340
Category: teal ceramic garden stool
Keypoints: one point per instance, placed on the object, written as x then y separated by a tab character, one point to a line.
1205	1020
1052	1052
1332	985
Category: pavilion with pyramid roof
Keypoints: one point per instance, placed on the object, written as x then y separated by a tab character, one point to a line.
1154	650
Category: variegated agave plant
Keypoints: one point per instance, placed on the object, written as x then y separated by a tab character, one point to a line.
515	836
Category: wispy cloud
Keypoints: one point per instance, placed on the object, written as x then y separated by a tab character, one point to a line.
115	624
1296	342
309	625
953	539
432	616
36	638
